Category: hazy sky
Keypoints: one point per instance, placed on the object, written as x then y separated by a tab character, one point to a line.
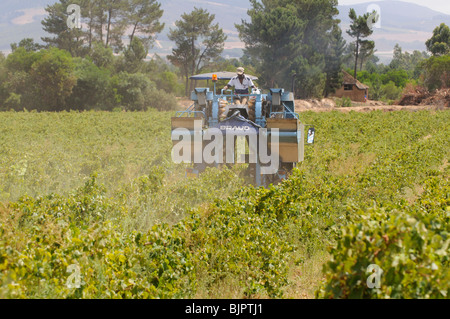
438	5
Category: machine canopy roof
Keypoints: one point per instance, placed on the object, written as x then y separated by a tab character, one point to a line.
220	76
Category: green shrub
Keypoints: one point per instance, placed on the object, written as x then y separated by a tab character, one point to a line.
398	76
161	100
13	102
237	239
390	91
436	72
92	89
412	248
344	102
53	78
355	192
42	237
132	90
102	57
168	81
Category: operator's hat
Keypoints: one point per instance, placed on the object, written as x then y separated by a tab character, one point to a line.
240	71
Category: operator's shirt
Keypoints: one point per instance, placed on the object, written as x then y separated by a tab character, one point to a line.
241	88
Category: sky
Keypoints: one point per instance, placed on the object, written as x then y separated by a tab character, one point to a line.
438	5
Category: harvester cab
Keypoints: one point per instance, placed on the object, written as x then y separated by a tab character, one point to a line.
216	129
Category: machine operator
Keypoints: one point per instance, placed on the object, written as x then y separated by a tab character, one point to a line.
241	84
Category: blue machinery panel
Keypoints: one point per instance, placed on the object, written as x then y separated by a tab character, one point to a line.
280	104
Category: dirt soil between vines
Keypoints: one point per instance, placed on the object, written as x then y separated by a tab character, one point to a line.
301	106
328	105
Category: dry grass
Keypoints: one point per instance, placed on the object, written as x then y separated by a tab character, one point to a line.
299	107
306	277
227	288
444	165
183	103
351	165
16	234
412	194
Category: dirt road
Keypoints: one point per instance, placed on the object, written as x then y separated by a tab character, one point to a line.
384	108
327	105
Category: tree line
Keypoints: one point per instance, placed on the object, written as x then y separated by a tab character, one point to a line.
288	43
105	21
407	71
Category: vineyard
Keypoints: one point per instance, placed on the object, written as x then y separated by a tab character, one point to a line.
99	191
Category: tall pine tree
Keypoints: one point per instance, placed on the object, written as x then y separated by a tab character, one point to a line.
439	43
143	18
56	24
104	21
291	37
334	60
272	39
197	41
359	29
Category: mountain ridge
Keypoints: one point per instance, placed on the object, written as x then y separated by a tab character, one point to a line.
405	23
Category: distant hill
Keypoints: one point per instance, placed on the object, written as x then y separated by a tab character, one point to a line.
20	19
227	14
405	23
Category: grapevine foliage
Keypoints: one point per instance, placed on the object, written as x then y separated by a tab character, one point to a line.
366	193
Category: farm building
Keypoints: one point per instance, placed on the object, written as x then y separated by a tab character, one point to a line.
352	89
